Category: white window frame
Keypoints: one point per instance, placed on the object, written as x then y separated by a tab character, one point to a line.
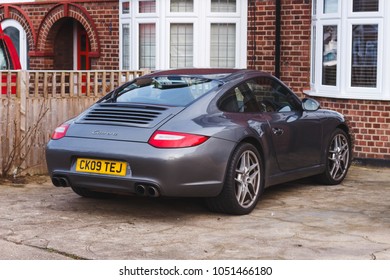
135	39
207	57
364	92
352	14
137	14
319	58
345	19
201	18
195	39
127	21
239	5
320	10
170	14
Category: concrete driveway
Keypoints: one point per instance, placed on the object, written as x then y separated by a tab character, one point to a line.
298	220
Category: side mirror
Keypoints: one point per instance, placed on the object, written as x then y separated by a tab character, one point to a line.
309	104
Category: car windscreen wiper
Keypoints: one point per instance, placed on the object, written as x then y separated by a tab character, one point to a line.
112	97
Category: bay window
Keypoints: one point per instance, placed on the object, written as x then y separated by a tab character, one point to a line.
348	49
162	34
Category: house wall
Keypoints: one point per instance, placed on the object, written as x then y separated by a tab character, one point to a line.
294	42
42	20
369	120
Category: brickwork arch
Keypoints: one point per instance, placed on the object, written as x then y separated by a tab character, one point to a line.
17	14
45	37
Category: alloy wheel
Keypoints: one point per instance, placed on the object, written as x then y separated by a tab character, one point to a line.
339	154
247	179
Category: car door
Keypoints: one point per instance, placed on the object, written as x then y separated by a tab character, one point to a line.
296	134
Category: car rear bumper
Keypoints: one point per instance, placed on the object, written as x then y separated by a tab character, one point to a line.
186	172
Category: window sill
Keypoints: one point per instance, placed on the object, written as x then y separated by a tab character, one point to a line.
344	95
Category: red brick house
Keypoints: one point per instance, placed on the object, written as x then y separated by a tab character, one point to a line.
65	35
332	50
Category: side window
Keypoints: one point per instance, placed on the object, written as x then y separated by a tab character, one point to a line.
239	99
272	96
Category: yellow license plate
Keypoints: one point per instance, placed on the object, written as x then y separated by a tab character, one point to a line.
98	166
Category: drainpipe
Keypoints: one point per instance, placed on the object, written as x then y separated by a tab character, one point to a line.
252	9
277	37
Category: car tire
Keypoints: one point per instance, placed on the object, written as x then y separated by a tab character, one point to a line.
90	194
244	182
338	158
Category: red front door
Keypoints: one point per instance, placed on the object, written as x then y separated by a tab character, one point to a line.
83	50
83	60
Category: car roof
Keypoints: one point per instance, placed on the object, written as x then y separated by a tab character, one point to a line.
219	73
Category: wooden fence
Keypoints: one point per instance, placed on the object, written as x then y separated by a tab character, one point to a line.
33	103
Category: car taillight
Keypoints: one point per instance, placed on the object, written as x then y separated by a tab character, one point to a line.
60	132
167	139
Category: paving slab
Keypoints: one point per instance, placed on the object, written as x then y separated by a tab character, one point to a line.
294	221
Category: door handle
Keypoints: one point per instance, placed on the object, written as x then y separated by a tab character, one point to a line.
277	131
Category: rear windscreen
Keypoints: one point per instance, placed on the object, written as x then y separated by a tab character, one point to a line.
165	90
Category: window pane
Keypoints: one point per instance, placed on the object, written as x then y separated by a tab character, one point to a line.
83	42
313	55
223	45
181	45
126	7
171	90
331	6
147	46
3	55
83	62
147	6
329	61
125	46
14	34
182	6
364	55
223	6
314	8
366	5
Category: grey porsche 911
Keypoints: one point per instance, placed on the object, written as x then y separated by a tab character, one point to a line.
220	134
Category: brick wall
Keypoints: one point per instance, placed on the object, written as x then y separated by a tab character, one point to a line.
41	19
295	40
370	120
106	16
261	35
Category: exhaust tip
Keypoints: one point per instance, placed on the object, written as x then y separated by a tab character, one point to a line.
56	181
153	191
140	189
147	190
60	181
64	182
